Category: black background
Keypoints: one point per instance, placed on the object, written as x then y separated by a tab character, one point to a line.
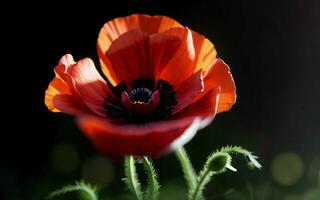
272	48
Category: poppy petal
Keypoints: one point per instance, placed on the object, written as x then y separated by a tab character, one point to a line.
129	56
114	28
59	97
204	50
219	75
180	66
69	104
188	90
206	107
89	84
150	139
67	60
162	48
57	86
136	54
199	52
77	83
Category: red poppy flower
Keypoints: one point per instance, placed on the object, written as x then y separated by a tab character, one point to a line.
162	83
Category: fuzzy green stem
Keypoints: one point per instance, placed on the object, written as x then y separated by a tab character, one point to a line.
152	191
131	177
203	179
187	168
77	187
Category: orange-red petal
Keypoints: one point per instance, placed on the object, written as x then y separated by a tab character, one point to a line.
162	48
136	54
195	53
180	66
116	27
151	139
204	50
69	104
76	87
188	90
56	86
59	96
206	107
219	75
129	56
88	83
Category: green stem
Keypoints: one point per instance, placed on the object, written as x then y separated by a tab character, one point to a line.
153	184
77	187
203	179
131	177
187	168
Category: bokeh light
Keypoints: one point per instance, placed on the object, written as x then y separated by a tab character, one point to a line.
98	170
64	158
287	168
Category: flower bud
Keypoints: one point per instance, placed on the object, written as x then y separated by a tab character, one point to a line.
219	161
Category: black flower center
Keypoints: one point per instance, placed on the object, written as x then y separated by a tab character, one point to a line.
140	95
143	101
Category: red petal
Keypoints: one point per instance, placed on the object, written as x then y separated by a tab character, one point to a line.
206	108
180	66
205	52
129	56
69	104
89	84
188	90
162	48
60	95
195	53
136	54
77	86
114	28
150	139
218	75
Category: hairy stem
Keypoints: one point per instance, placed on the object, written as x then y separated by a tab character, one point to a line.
203	179
187	168
89	190
152	191
131	179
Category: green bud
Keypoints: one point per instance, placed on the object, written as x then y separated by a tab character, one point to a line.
218	162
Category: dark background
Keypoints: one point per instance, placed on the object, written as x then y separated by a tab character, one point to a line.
272	48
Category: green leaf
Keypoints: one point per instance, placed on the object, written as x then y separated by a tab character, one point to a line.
89	191
131	177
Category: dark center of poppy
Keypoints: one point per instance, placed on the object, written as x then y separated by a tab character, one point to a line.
140	95
143	101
